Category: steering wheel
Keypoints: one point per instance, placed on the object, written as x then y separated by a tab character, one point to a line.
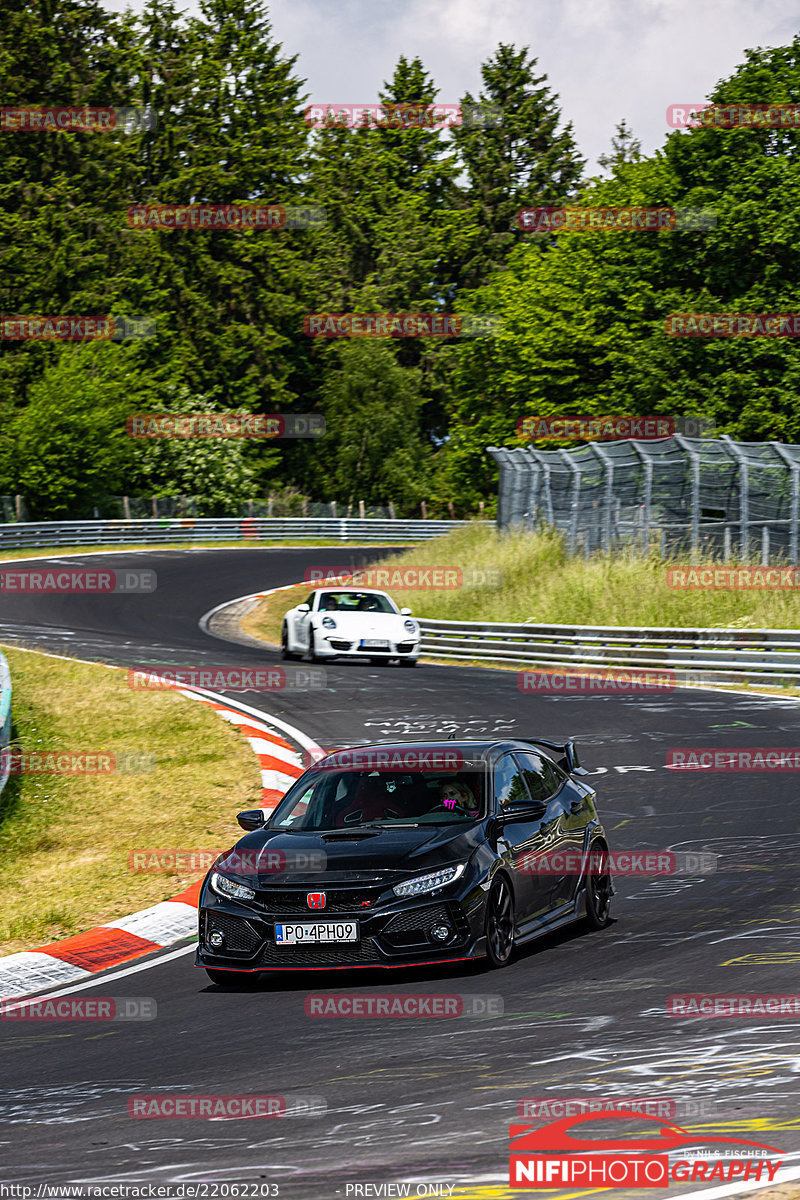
448	808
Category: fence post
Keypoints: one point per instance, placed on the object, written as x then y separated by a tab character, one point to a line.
765	545
333	509
154	505
424	509
608	471
726	544
126	508
543	482
793	507
575	502
392	513
694	459
647	498
744	495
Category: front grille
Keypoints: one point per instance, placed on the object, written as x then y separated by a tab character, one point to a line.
365	951
240	937
335	902
338	644
405	647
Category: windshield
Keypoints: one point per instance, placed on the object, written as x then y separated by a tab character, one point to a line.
328	799
355	602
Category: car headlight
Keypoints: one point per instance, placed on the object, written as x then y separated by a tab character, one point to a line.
429	883
226	887
410	626
328	623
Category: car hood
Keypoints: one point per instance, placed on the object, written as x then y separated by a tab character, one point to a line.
351	855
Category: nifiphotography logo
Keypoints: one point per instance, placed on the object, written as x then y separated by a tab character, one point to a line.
548	1156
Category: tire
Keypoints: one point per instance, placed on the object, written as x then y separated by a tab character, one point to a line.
286	653
599	890
312	648
408	662
379	662
499	923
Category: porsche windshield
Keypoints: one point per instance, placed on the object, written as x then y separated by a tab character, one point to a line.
353	602
340	799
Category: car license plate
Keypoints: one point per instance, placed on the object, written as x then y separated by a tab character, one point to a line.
374	644
309	932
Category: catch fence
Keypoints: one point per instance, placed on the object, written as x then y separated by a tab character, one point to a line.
677	495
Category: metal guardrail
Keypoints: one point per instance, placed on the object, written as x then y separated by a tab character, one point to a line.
177	529
5	719
718	655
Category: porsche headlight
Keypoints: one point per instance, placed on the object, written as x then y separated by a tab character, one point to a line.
227	887
430	883
328	623
410	626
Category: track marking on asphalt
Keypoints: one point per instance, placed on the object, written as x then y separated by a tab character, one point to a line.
95	981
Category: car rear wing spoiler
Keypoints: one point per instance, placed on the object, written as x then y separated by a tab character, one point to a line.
569	761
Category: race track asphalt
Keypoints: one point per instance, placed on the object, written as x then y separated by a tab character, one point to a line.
431	1099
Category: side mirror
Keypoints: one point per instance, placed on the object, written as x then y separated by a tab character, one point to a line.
303	608
405	612
252	818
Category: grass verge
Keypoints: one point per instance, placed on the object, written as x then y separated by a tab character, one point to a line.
65	839
539	583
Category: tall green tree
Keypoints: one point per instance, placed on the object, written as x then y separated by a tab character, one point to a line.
522	156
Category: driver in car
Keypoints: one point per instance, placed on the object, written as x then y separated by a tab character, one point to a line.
454	794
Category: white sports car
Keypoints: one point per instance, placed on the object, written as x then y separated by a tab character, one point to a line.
342	622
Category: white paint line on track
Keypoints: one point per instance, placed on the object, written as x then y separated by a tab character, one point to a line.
97	981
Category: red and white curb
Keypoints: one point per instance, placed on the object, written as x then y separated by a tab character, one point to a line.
163	924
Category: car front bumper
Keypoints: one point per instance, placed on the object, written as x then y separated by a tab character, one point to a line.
339	647
397	935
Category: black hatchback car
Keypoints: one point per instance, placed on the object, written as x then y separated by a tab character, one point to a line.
399	854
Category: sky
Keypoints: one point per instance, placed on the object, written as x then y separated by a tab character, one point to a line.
606	59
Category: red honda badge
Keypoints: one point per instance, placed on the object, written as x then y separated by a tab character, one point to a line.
315	899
